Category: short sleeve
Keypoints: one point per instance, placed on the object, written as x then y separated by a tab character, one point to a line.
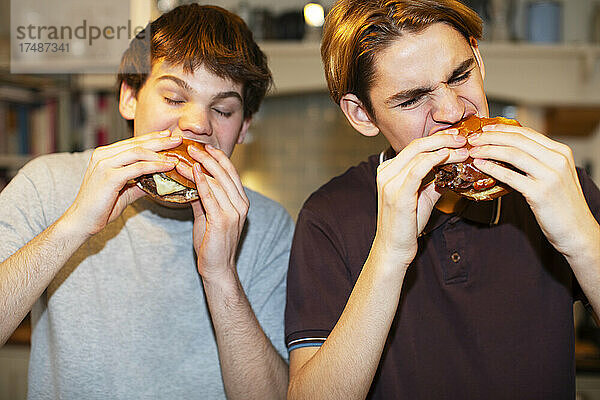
21	210
319	282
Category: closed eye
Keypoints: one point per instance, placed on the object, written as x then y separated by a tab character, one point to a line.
168	100
225	114
411	102
460	78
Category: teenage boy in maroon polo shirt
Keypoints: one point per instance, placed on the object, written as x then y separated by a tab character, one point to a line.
396	291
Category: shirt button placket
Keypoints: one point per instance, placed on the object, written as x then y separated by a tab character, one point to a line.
454	264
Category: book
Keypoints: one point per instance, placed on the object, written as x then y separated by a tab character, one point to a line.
42	136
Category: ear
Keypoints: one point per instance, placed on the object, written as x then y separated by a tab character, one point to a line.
475	48
244	130
356	114
127	101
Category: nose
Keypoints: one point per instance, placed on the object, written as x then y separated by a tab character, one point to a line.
195	119
448	108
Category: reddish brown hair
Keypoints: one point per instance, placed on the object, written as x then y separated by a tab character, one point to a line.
357	30
193	36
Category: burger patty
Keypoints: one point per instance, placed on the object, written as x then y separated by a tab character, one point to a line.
462	177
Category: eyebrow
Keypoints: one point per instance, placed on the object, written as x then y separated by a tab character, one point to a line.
417	92
226	95
184	85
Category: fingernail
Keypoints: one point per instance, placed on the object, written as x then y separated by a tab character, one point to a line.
462	152
172	159
165	133
175	138
195	148
459	138
198	168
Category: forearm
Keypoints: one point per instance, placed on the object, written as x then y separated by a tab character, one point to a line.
250	365
27	273
344	366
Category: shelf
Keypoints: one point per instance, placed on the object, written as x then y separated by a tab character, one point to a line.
542	75
296	68
526	74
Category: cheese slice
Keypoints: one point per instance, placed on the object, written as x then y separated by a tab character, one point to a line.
165	185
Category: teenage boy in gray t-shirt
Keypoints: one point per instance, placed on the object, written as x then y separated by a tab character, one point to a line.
132	298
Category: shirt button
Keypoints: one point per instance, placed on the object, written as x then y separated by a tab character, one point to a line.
455	257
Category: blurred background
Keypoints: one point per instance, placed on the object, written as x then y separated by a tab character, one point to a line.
542	63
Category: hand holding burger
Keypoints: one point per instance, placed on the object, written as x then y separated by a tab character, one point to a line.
171	186
464	178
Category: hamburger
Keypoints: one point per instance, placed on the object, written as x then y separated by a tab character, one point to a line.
171	186
464	178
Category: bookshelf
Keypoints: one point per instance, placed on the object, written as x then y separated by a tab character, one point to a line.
42	114
29	119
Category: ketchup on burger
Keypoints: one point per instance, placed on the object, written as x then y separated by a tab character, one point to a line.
464	178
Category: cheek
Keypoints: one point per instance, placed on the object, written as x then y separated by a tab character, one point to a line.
228	126
227	132
406	126
418	124
153	117
474	94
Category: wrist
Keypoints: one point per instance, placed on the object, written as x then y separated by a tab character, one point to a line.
586	252
225	282
389	258
384	268
72	223
67	228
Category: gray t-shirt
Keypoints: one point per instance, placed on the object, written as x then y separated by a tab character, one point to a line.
126	317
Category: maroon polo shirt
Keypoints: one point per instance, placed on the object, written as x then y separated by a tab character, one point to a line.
486	310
